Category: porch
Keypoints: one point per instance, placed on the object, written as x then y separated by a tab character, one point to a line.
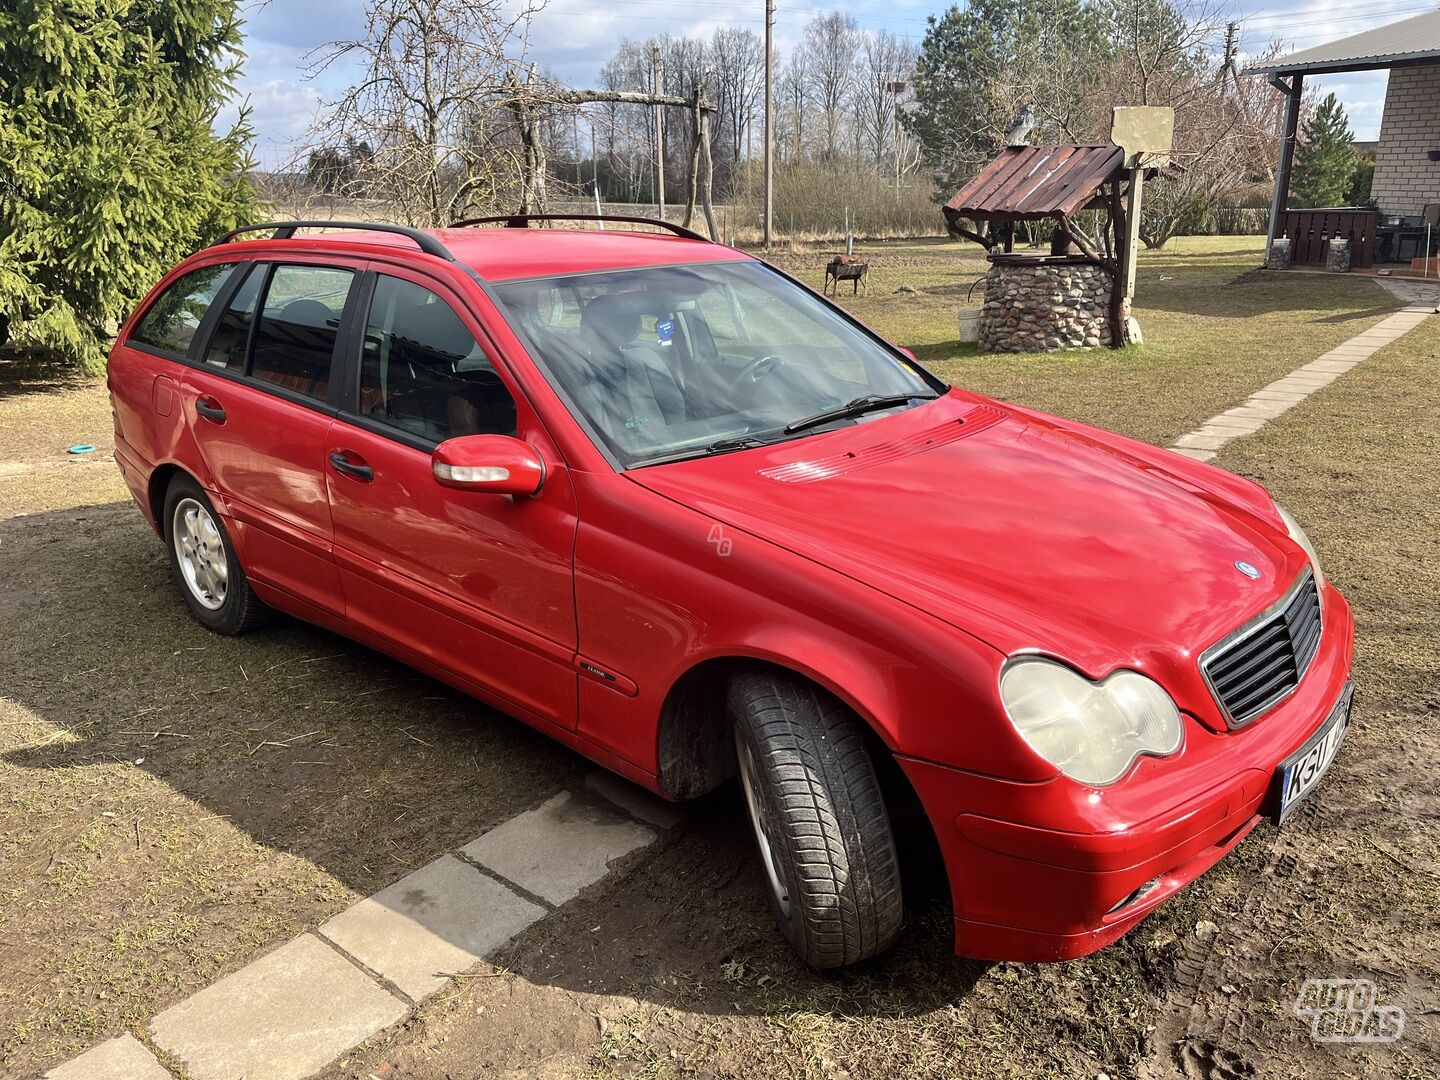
1399	234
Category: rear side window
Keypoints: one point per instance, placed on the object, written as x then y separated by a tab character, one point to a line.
232	329
299	322
173	320
423	371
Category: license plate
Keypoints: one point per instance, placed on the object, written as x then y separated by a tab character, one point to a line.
1298	774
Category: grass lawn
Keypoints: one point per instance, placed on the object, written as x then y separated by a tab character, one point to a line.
173	804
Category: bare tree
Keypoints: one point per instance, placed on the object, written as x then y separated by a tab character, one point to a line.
431	102
886	64
829	49
738	59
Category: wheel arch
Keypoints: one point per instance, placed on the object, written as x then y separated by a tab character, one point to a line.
694	749
159	483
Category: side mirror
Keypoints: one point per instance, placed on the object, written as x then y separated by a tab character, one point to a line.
495	463
907	352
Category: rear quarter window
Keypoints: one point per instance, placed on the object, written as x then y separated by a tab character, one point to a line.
173	320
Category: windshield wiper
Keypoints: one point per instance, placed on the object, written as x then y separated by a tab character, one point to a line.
723	446
857	407
739	442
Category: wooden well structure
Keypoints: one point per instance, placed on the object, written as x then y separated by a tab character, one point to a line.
1056	184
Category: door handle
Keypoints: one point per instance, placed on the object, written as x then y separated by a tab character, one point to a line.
341	461
210	409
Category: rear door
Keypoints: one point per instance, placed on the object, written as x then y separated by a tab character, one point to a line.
478	584
259	402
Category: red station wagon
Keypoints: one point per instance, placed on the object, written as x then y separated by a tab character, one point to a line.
664	503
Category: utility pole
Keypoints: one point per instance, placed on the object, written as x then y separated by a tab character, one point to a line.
769	168
1232	34
659	134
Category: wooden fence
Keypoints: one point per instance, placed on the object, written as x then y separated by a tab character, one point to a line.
1310	233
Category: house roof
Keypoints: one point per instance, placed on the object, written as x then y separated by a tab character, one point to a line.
1411	41
1027	182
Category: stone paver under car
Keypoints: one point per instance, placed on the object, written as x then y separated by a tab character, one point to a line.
296	1009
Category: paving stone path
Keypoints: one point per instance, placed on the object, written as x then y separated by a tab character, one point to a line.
1284	394
299	1007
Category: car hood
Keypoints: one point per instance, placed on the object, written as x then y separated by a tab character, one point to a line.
1028	532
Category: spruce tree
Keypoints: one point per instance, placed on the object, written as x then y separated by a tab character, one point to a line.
1325	160
110	171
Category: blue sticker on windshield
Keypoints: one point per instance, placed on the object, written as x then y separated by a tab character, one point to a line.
665	329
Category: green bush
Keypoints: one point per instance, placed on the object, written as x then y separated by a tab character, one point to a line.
110	171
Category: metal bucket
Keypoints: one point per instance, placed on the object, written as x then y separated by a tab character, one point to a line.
968	320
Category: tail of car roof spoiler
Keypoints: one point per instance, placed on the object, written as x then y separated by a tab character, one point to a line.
284	230
522	221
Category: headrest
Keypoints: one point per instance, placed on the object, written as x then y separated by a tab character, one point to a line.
433	328
615	319
306	313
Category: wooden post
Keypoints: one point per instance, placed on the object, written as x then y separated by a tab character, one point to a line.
1292	93
692	173
1131	248
659	134
707	174
1122	230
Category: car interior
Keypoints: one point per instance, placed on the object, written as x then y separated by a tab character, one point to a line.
423	372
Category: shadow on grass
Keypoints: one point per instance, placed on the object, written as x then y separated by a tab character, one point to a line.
29	371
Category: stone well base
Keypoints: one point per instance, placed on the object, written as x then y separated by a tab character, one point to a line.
1034	306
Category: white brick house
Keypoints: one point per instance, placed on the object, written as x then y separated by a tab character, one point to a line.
1407	179
1406	188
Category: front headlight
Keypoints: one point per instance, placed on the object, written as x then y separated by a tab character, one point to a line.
1298	535
1091	732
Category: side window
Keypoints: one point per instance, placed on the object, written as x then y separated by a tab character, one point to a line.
300	319
232	329
422	370
173	319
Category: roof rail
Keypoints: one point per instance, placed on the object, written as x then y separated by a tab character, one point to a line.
284	230
522	221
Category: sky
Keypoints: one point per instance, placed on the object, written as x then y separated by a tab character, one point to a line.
574	38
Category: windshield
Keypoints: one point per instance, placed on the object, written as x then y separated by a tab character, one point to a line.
679	361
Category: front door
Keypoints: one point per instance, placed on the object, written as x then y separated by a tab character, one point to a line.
258	405
478	584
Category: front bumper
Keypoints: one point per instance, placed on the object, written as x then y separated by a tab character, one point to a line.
1055	870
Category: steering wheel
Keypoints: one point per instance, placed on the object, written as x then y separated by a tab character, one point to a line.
753	373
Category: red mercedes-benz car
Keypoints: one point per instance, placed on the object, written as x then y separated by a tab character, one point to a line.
655	498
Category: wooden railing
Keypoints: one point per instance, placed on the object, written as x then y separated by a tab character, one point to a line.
1310	233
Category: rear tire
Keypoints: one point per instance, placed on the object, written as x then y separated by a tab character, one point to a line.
204	564
819	819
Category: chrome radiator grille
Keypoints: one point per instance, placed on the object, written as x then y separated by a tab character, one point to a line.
1264	660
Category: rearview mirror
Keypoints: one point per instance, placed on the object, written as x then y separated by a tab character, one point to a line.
494	463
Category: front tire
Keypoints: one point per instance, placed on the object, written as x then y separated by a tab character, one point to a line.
203	562
819	819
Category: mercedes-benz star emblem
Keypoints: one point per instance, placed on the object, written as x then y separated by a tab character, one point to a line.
1246	569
